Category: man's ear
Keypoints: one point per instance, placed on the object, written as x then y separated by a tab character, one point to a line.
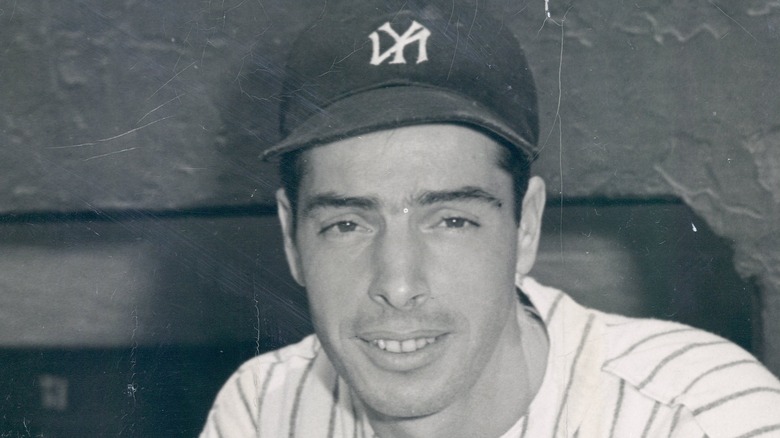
530	225
287	220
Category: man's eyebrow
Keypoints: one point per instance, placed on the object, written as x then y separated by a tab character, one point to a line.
468	193
334	200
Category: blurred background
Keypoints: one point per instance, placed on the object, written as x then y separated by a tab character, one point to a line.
140	259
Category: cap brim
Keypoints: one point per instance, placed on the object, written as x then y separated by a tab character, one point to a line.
393	107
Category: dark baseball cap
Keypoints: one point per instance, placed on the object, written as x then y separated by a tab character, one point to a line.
367	65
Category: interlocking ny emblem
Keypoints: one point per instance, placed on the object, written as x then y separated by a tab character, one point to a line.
416	32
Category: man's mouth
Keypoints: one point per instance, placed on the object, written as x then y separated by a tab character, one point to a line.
403	346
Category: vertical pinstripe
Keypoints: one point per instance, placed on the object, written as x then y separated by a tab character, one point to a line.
553	307
618	405
333	409
361	429
245	402
676	418
525	427
580	347
266	382
298	392
650	420
355	421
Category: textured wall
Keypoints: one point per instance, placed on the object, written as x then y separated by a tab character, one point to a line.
161	105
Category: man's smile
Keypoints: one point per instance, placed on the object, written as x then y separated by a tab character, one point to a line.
404	346
397	352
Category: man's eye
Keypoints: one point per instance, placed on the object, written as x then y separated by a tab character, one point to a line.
457	222
341	227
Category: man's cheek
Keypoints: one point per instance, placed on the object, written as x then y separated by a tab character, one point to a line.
456	262
334	286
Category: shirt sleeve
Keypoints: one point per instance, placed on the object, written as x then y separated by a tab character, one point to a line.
236	407
735	397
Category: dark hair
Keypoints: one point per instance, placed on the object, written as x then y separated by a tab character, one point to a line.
292	168
519	168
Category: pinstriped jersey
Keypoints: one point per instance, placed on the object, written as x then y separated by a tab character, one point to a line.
606	376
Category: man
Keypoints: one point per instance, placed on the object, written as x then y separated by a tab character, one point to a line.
409	215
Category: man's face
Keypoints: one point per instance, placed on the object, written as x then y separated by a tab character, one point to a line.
407	245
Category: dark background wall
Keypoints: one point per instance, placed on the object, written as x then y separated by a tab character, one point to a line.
137	240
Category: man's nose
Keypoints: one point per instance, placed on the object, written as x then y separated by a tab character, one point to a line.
398	265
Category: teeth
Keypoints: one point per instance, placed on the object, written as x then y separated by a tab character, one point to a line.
393	346
405	346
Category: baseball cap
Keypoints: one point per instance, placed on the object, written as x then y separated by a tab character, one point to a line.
365	66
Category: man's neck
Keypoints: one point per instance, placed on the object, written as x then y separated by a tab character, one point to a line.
499	398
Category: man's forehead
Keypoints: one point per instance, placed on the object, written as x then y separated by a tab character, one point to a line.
434	145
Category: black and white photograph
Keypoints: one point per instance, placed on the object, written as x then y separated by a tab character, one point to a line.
390	218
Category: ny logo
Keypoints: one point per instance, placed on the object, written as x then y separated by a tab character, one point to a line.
416	32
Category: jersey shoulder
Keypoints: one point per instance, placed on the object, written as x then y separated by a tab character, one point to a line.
267	379
722	386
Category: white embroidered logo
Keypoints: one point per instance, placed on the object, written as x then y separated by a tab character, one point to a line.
416	32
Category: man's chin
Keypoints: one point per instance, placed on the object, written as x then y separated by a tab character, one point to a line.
394	404
406	395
